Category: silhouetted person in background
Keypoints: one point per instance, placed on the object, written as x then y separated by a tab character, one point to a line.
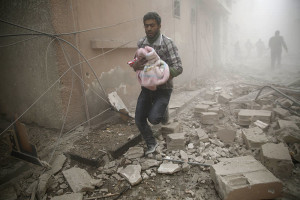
248	46
276	43
260	48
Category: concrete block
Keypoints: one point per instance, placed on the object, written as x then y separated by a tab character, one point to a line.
226	135
200	108
168	168
209	95
261	125
176	141
170	128
202	135
277	159
253	106
287	103
254	137
132	173
288	135
118	104
209	118
281	113
246	117
287	124
224	98
73	196
244	178
217	109
57	164
78	179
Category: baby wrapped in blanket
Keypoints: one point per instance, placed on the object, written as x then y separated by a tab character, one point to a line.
156	71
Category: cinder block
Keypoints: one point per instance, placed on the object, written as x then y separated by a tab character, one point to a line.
170	128
281	113
246	117
209	118
287	124
176	141
217	109
226	135
244	178
254	137
224	98
200	108
277	159
261	125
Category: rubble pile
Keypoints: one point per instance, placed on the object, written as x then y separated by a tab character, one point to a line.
245	152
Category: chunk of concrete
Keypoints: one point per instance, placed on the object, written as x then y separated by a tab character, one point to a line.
73	196
288	135
217	109
78	179
244	178
150	163
261	125
57	164
226	135
296	151
183	156
287	124
254	137
246	117
176	141
134	152
209	118
43	185
168	168
200	108
132	173
281	113
118	104
202	135
224	98
170	128
277	159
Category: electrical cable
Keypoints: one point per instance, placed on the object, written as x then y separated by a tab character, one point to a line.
25	40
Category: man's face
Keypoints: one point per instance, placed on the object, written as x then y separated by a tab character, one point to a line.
151	27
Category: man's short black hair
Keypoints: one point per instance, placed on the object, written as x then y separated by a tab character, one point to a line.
152	15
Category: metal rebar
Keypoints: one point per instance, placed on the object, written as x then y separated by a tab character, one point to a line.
191	163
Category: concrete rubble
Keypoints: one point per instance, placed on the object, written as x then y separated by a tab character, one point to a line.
209	118
254	137
78	179
176	141
244	178
170	128
246	116
132	173
277	159
226	135
134	152
168	168
73	196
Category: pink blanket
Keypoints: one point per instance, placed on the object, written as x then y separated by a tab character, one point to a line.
156	71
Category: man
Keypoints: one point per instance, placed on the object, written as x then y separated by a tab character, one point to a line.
153	105
276	43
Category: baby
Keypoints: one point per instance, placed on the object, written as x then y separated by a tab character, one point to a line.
156	71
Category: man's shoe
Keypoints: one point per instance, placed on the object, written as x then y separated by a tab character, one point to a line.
165	118
151	149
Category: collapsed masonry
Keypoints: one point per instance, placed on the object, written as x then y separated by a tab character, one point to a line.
249	159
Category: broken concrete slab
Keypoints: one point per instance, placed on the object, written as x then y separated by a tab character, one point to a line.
254	137
170	128
43	185
244	178
132	173
226	135
261	125
200	108
134	152
202	135
281	113
78	179
183	156
57	164
119	105
168	168
176	141
73	196
150	163
288	135
277	159
287	124
246	117
224	98
209	118
217	109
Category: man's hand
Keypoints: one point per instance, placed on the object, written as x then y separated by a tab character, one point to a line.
140	64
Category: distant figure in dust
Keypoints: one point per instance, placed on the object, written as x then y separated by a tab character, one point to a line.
248	46
260	48
237	50
276	43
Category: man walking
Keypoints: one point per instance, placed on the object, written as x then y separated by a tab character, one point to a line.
276	43
153	105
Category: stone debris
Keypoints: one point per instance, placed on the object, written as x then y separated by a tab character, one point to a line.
287	124
78	179
73	196
296	151
134	152
43	185
244	178
118	104
246	117
202	135
224	98
226	135
277	159
132	173
168	168
217	109
254	137
281	113
150	163
261	125
57	164
200	108
170	128
183	156
176	141
288	135
209	118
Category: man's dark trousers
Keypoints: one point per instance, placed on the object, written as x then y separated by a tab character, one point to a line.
151	105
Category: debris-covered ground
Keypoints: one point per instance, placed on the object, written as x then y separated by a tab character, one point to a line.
208	129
